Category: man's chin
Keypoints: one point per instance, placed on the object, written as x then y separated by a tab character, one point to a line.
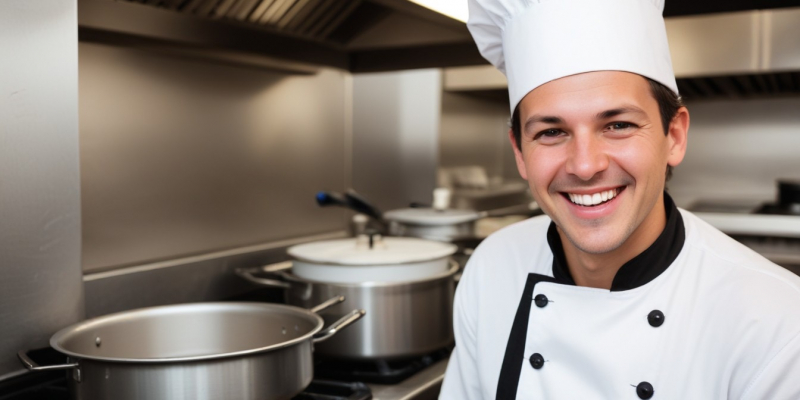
598	243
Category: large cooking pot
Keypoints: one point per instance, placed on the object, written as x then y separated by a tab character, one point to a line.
408	293
230	350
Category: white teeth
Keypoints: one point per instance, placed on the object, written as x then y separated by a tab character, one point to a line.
592	199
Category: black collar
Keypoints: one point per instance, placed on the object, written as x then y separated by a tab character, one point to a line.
639	270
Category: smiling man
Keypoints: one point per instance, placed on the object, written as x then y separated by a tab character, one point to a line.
615	293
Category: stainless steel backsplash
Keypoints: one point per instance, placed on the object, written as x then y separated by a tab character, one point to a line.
40	214
182	157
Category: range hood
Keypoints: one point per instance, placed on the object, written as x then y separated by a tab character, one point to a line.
726	55
718	48
295	35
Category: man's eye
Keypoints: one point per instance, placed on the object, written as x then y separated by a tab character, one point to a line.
548	133
620	125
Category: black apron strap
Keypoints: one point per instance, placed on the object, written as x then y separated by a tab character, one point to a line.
515	349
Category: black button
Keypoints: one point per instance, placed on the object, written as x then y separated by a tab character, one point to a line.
540	300
537	361
644	390
655	318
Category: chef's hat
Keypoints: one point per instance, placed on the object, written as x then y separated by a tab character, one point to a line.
536	41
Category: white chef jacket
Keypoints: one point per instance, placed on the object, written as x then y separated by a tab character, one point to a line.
729	325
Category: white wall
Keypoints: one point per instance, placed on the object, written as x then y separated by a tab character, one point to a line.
737	149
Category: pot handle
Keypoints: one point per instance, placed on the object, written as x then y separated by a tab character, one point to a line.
348	319
327	304
33	366
247	273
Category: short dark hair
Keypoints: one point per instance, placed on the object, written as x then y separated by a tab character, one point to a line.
668	101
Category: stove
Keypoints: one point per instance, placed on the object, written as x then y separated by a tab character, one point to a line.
771	229
379	371
50	386
417	378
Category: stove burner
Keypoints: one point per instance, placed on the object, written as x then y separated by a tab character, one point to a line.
49	386
330	390
378	371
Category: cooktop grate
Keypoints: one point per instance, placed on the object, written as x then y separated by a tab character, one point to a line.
377	371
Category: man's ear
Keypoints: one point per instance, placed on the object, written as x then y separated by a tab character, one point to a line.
677	136
518	155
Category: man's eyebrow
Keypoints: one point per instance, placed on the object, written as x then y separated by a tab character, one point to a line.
619	111
547	119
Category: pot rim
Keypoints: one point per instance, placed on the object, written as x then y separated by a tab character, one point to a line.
454	267
450	250
462	217
88	324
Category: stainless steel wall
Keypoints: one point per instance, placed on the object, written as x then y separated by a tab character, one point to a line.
474	131
396	119
737	149
40	288
182	157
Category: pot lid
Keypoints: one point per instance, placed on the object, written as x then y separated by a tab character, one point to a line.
384	250
430	216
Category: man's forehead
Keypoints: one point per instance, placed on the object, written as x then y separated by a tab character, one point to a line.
590	92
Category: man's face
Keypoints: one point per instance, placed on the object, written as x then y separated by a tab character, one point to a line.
595	154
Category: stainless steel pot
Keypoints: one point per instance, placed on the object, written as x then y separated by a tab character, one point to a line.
405	318
194	351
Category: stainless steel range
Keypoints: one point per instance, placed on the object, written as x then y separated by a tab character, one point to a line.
771	229
414	379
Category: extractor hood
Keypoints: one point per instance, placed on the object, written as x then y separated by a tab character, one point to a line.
719	48
725	55
296	35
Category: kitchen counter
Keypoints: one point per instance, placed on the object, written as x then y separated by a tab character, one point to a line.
423	386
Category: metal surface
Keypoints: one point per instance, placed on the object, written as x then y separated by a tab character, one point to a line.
230	350
714	44
327	304
782	30
219	162
403	319
188	332
712	171
40	209
741	54
203	278
343	322
396	136
424	385
374	35
121	21
754	224
433	232
275	375
33	366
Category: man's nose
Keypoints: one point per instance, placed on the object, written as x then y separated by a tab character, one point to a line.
587	156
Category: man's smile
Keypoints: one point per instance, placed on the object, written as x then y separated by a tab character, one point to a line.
592	197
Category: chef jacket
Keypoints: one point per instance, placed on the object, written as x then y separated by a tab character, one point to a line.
697	315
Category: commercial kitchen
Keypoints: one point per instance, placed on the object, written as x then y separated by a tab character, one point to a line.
275	199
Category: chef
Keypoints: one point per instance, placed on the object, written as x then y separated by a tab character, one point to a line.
615	293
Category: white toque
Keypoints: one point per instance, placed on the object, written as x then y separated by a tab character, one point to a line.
534	42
